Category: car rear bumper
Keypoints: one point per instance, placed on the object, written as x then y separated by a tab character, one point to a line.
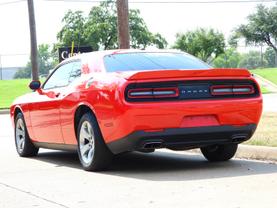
182	138
125	119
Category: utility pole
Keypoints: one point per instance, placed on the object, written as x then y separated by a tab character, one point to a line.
123	24
275	52
262	58
1	68
33	38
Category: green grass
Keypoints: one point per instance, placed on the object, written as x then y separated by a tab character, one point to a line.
266	133
267	73
10	89
264	90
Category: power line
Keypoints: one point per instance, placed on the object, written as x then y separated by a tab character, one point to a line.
202	2
174	2
154	2
14	54
11	2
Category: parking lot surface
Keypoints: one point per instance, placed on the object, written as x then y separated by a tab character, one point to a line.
160	179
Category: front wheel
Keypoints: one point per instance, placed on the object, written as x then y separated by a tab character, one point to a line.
24	146
93	153
222	152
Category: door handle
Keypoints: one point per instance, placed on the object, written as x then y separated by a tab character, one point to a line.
57	94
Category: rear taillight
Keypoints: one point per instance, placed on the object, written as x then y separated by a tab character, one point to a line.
190	90
232	90
170	92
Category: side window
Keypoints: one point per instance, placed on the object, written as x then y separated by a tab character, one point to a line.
60	77
76	71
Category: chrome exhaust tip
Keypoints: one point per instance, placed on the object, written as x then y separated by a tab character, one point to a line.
153	145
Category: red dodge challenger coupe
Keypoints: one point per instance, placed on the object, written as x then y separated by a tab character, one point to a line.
109	102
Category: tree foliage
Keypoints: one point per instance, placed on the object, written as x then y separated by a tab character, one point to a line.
251	60
99	29
269	57
46	62
73	27
229	59
261	28
206	44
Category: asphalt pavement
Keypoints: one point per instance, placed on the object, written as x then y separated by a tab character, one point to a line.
162	179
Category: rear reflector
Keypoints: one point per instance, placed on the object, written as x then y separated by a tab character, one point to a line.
232	90
153	93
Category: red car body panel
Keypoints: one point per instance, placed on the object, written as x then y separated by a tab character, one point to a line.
50	114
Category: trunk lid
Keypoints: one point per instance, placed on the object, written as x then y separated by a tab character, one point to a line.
161	74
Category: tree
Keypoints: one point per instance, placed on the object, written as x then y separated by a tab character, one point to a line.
229	59
73	27
269	56
251	60
99	29
261	28
46	61
203	43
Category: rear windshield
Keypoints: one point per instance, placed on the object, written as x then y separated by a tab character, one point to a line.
152	61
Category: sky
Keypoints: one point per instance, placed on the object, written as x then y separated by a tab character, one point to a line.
166	19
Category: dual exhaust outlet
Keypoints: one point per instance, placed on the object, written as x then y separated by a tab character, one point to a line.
160	144
153	145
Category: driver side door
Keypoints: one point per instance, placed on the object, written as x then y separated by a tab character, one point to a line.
45	108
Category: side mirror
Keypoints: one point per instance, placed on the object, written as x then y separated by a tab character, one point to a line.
34	85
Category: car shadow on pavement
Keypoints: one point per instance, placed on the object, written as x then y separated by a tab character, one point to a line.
166	166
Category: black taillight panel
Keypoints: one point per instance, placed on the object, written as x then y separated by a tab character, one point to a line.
190	90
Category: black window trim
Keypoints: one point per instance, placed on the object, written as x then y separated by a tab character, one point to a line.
58	66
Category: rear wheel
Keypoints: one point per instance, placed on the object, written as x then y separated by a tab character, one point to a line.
93	153
24	146
219	152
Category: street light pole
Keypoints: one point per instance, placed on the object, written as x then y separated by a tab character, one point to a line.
1	76
33	38
123	24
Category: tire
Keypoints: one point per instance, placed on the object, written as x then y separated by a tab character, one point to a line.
93	153
23	144
217	153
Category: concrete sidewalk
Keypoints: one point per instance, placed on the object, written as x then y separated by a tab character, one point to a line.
266	83
253	152
269	102
4	111
257	152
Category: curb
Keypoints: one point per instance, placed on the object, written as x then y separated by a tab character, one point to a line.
253	152
4	111
257	152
